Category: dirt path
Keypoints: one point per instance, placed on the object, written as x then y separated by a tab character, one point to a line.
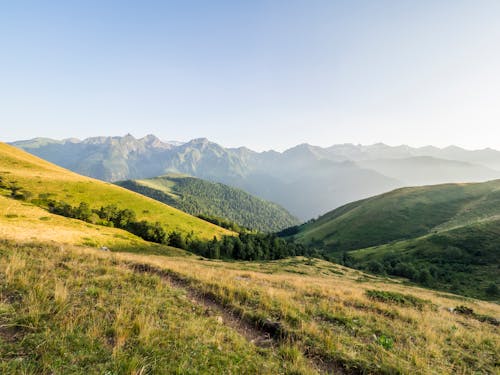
259	337
265	335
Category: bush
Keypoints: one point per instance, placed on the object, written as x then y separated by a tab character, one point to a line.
386	342
175	239
376	267
111	216
492	290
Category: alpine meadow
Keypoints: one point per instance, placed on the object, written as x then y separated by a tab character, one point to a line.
266	187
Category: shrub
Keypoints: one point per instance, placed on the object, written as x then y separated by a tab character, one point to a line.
175	239
492	290
397	298
385	342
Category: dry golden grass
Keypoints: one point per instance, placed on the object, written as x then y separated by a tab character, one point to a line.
24	222
75	311
331	316
328	322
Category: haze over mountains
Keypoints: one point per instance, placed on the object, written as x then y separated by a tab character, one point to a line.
306	180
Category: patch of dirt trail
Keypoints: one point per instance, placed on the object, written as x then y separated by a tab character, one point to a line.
265	335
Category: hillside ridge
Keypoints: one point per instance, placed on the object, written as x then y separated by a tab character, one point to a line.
199	197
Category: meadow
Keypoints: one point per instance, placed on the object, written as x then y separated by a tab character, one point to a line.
67	308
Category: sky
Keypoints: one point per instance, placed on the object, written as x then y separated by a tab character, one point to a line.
264	74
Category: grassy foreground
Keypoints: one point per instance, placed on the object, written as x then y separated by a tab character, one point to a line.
66	310
73	310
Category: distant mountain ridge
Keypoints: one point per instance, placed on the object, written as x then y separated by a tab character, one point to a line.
306	180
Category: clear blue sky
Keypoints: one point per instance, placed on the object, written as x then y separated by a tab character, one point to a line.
265	74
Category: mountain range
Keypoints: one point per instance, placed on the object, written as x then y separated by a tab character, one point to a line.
306	180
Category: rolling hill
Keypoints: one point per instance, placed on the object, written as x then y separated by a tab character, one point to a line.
200	197
37	179
464	260
449	231
402	214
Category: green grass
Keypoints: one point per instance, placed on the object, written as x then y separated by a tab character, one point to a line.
199	197
43	179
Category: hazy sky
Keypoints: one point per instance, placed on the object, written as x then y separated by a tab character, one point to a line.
265	74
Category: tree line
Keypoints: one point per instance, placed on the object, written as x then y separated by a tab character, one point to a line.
244	246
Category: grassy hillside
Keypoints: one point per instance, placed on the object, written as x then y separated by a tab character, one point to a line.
403	214
38	178
199	197
76	309
445	236
68	311
73	310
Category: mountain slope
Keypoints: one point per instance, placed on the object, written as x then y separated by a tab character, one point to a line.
104	158
199	197
463	260
38	178
403	213
488	157
444	236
